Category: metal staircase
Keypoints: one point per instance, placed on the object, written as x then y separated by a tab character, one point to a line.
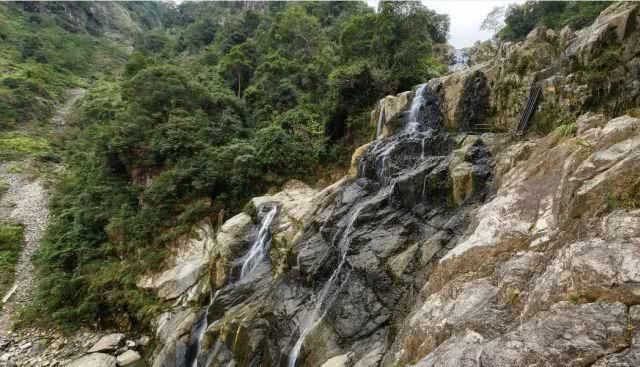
529	109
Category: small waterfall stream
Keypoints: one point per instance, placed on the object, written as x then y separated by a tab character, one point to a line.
259	249
415	113
326	296
380	119
459	60
256	254
414	122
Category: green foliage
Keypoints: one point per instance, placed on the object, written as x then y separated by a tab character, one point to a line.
597	69
103	102
628	199
11	241
15	145
566	130
40	59
521	19
545	121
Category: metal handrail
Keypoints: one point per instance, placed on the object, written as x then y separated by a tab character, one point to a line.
527	113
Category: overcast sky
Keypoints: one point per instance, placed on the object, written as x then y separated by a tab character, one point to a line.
466	17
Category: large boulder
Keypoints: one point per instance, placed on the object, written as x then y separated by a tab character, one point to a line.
547	267
108	343
173	335
579	178
186	266
355	160
130	358
618	19
94	360
385	118
568	335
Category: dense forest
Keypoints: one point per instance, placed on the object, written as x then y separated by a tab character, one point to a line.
221	102
520	19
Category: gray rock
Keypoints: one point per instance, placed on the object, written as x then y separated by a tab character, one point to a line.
588	121
458	351
144	341
634	315
108	343
568	335
187	265
130	358
337	361
232	235
94	360
593	267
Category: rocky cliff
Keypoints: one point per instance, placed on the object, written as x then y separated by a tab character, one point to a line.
452	242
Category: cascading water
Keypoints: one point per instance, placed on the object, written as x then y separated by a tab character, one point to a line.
326	296
258	250
380	119
414	122
250	262
459	60
198	332
415	115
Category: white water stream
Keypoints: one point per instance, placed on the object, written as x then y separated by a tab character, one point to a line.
259	249
414	110
326	297
380	119
250	261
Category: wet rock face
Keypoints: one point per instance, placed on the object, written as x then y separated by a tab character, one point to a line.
474	104
354	268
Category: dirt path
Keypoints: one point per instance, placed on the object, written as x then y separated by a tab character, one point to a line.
26	203
62	112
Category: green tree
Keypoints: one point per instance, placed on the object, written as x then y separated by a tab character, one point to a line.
237	66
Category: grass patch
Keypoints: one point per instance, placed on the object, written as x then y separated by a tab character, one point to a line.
562	132
4	187
11	241
565	130
14	145
511	296
573	298
629	199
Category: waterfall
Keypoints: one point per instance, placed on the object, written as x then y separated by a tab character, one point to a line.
381	169
250	261
415	115
329	292
380	119
326	297
258	250
198	332
459	60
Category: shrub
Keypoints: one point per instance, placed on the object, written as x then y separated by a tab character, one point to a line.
16	146
11	241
